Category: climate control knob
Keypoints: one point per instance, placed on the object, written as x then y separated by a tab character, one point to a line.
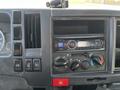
74	65
85	64
97	59
60	62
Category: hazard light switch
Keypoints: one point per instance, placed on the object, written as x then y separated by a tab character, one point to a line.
60	82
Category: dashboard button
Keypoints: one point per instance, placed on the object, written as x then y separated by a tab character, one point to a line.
60	44
17	33
17	17
37	65
17	49
18	66
28	65
60	82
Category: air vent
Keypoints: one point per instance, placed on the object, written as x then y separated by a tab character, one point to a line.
118	34
32	31
117	59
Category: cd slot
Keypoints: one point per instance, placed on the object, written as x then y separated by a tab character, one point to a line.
74	51
80	36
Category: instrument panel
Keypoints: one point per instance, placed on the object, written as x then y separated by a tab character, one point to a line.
37	46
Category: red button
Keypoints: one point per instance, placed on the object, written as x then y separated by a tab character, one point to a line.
60	82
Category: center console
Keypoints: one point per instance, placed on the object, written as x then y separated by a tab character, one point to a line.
79	45
84	49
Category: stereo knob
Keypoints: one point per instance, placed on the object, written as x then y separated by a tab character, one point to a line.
85	64
60	62
97	59
74	65
99	43
71	44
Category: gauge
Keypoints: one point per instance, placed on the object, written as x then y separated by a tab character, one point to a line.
2	40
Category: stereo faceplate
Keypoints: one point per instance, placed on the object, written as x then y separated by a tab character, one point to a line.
74	43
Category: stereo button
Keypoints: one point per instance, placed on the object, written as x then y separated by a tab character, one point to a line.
71	44
17	33
61	45
36	64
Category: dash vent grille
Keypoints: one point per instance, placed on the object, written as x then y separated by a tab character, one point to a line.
117	58
118	34
32	31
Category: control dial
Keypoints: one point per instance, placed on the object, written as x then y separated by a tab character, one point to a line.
99	43
85	64
97	59
74	65
61	62
71	44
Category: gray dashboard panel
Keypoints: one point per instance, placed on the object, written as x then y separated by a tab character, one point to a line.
42	79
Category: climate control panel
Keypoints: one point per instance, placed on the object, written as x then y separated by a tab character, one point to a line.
79	62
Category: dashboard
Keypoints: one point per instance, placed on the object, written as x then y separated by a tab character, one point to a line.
56	49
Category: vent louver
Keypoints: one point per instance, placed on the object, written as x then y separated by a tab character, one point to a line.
32	31
118	34
117	59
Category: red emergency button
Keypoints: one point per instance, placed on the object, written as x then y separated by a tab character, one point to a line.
60	82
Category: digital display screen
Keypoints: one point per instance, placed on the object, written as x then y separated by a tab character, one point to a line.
83	44
61	45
